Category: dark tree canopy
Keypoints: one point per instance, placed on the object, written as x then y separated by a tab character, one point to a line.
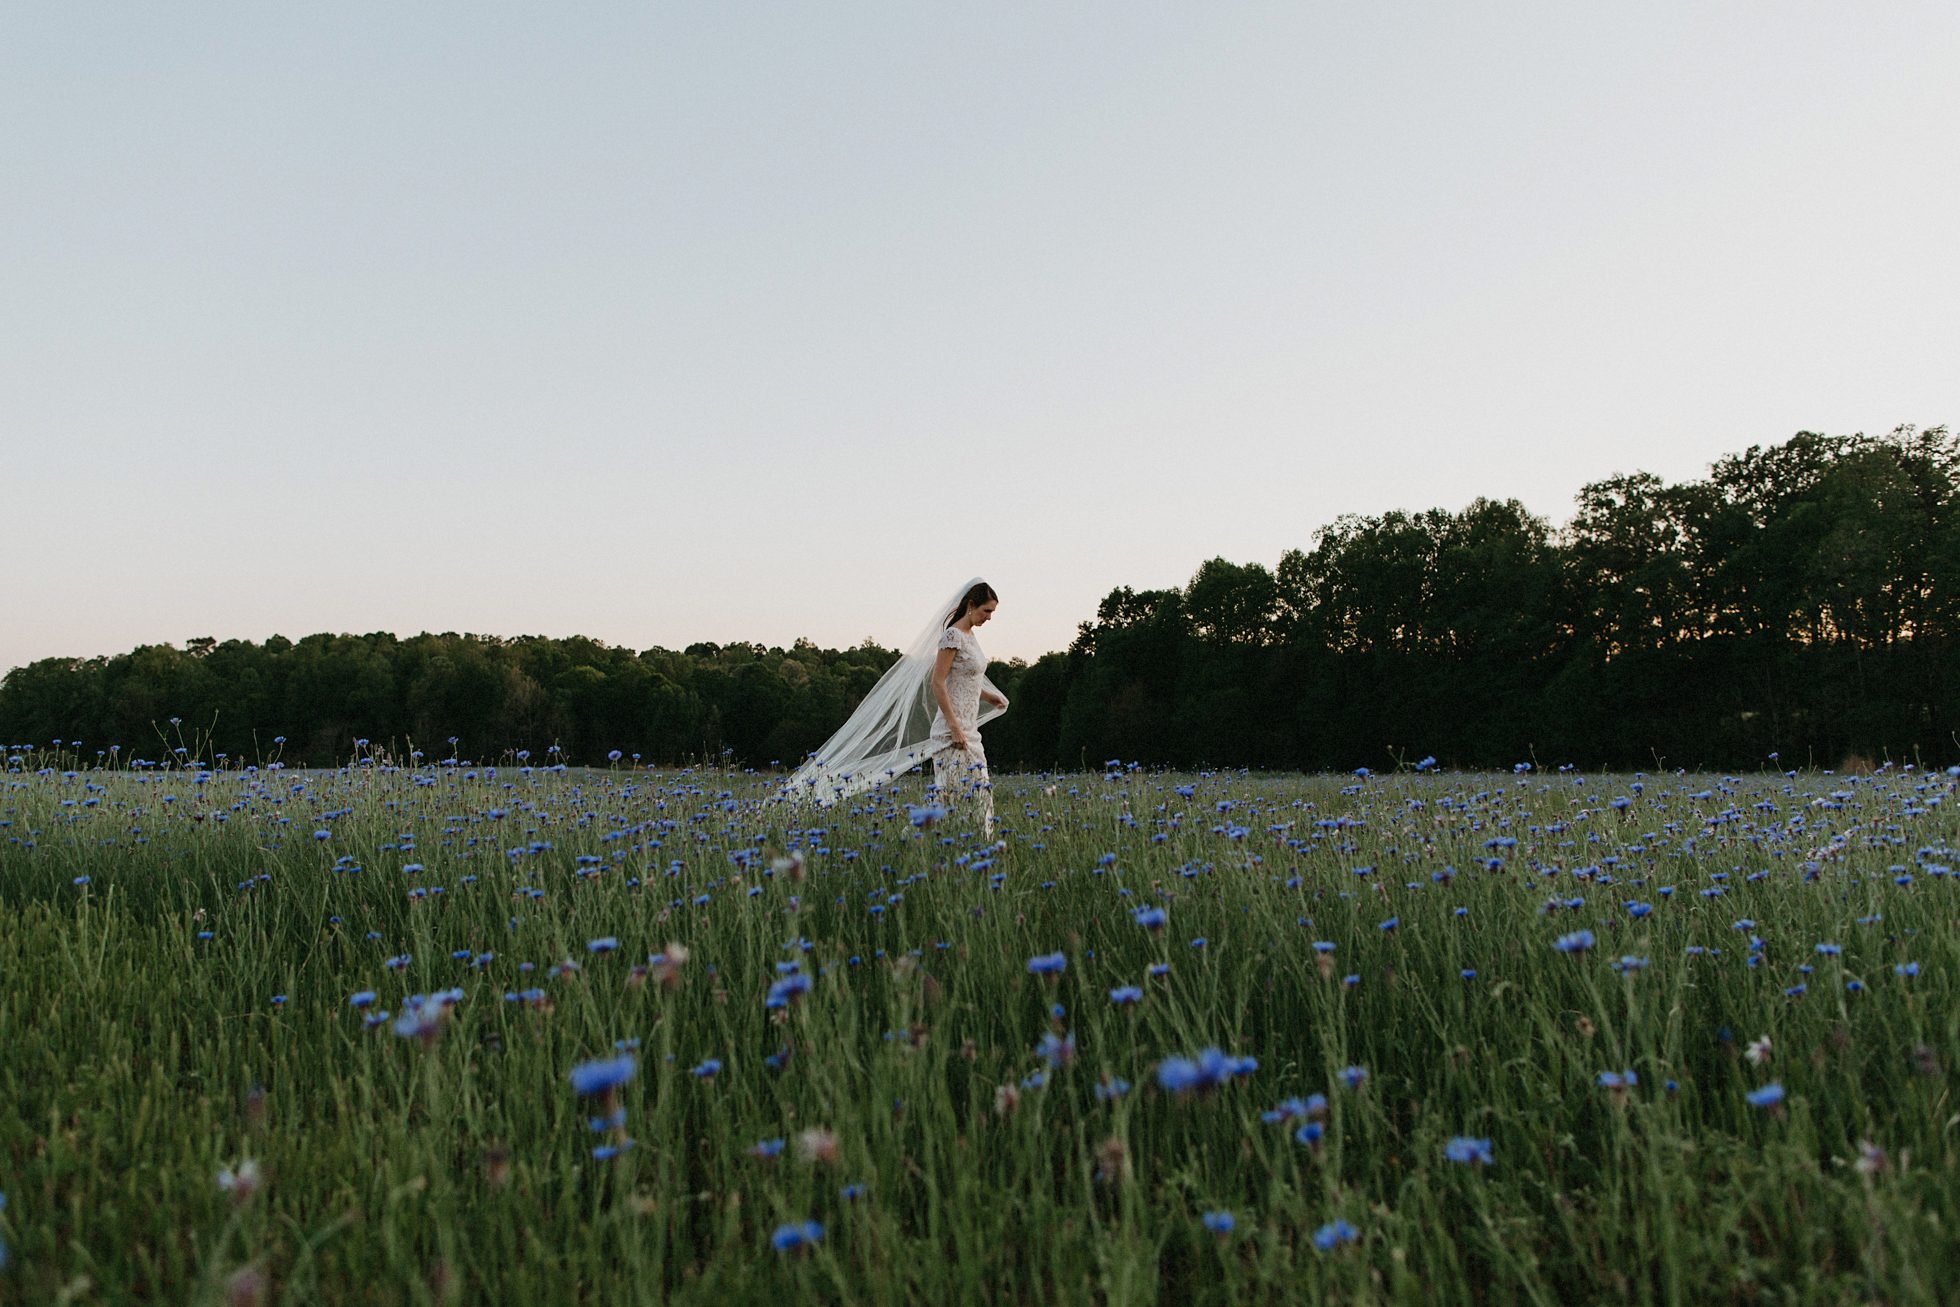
1802	600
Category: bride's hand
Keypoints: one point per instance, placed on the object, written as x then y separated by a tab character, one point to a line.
959	741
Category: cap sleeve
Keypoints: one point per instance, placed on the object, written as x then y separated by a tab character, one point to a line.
950	638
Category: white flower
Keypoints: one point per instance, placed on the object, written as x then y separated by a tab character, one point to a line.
817	1145
1758	1051
242	1183
1871	1158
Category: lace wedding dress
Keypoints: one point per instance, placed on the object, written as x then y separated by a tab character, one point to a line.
960	775
898	728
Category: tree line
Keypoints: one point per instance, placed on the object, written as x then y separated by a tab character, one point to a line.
1798	605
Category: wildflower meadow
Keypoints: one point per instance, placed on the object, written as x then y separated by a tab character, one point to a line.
450	1031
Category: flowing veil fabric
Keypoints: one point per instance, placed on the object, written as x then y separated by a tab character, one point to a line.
887	735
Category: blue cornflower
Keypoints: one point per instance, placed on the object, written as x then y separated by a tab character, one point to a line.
1290	1109
850	1193
603	945
606	1152
708	1070
1111	1088
364	998
1907	969
1310	1134
1333	1234
1618	1080
421	1018
1210	1069
1354	1076
1179	1075
1220	1223
922	816
1153	918
1047	964
1057	1050
1123	995
1576	942
795	1235
787	990
1768	1096
604	1075
1391	923
766	1148
1466	1149
1200	942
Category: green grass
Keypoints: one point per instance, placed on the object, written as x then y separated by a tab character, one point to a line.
141	1060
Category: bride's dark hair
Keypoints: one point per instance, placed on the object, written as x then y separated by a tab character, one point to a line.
981	593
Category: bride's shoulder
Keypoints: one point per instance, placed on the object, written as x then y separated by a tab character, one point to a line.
950	638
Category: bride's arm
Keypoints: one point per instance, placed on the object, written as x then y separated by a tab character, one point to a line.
942	665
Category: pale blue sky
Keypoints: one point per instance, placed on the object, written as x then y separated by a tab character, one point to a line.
661	323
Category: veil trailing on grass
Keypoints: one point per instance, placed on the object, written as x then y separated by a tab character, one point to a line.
887	735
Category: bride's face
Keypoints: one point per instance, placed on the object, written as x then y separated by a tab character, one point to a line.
978	616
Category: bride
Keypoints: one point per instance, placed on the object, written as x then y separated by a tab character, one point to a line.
929	705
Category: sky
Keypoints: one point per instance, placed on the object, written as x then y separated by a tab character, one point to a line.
662	323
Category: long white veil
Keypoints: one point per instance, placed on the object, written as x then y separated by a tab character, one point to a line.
887	735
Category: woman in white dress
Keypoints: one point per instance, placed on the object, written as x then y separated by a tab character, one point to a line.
959	687
929	705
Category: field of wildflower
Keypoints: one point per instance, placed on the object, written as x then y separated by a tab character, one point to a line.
525	1033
